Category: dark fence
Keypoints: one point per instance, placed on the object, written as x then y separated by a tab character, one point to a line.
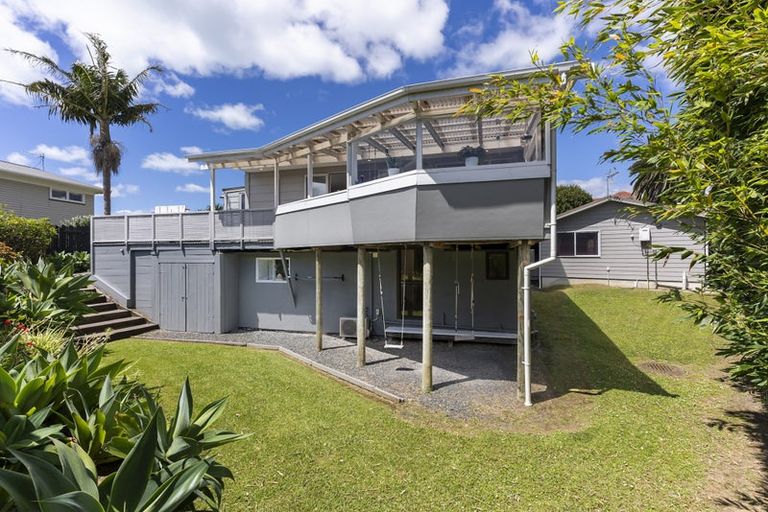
72	238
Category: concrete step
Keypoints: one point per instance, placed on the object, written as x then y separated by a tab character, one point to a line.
103	306
116	323
103	316
134	330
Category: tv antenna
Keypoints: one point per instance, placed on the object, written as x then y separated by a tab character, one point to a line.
42	161
608	178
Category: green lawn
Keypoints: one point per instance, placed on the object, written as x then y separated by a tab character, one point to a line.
607	437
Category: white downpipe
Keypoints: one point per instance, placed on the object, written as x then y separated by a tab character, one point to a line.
527	269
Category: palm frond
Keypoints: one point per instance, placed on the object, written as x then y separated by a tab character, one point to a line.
45	64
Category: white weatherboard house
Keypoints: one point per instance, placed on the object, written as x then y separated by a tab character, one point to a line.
33	193
384	216
611	241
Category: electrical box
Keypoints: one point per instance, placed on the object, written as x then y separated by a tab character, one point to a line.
645	235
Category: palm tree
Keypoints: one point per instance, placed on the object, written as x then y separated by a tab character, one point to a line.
97	95
648	181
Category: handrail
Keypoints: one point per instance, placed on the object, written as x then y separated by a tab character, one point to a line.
221	225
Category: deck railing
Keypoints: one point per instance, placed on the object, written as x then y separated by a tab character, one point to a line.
220	226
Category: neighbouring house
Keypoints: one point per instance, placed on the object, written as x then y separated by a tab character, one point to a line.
33	193
395	215
611	241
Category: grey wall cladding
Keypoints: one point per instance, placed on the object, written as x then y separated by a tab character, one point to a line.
497	210
620	248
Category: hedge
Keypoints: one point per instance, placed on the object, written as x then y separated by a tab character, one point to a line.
28	237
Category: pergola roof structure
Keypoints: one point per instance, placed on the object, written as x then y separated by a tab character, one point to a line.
385	125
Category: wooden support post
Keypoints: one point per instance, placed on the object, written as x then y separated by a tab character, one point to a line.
276	185
419	144
211	215
318	300
360	307
426	335
351	164
523	259
310	176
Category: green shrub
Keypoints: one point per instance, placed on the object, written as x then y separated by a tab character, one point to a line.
80	261
28	237
121	452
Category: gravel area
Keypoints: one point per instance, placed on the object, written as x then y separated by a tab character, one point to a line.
470	379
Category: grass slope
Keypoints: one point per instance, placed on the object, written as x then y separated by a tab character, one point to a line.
629	441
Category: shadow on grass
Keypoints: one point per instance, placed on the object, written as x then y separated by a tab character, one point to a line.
753	423
575	356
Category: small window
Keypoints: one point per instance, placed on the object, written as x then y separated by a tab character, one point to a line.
565	245
63	195
586	244
579	243
270	270
497	265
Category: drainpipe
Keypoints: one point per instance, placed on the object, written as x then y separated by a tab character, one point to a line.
527	269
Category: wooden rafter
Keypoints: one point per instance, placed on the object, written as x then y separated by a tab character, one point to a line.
402	138
377	145
435	136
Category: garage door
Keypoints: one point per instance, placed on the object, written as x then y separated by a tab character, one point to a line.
186	297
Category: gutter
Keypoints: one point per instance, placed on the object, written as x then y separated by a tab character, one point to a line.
527	271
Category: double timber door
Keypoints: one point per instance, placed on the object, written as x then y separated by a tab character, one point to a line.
186	297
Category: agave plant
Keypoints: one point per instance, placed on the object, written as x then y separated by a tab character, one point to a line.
138	485
38	293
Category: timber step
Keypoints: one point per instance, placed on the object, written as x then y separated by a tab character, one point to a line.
102	316
115	323
100	298
103	306
111	320
133	330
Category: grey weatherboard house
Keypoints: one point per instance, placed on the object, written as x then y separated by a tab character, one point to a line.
610	241
408	236
33	193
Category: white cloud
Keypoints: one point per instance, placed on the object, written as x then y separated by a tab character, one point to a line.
190	150
235	116
596	185
80	173
172	85
337	40
129	212
192	188
67	154
14	68
168	162
521	32
124	189
18	158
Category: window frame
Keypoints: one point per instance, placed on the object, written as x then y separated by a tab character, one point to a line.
66	198
575	253
273	260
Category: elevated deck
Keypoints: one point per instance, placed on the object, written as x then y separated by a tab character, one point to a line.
222	229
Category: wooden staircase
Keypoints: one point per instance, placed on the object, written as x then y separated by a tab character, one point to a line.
111	319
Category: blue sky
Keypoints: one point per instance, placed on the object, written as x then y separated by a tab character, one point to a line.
242	73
